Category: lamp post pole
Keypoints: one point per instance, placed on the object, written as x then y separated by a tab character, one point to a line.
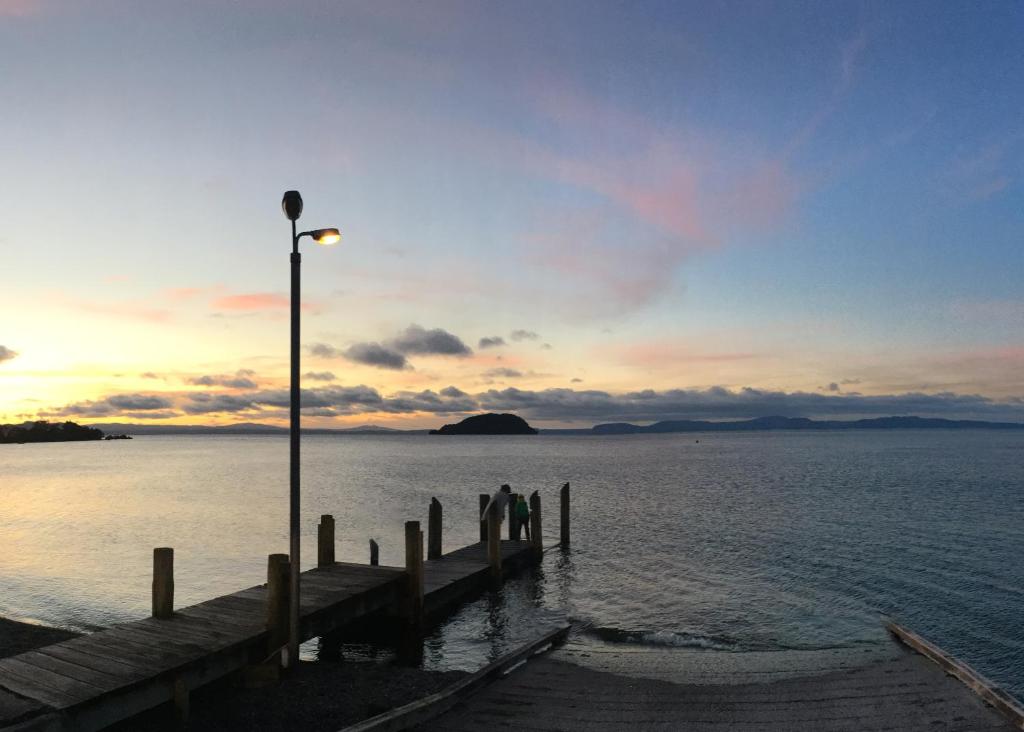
293	461
292	206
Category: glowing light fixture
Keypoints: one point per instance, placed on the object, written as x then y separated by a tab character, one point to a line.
326	237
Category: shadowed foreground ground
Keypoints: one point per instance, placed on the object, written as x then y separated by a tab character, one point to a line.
902	692
18	637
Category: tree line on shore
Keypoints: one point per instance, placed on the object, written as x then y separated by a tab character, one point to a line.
48	432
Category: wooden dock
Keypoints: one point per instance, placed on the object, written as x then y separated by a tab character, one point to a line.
93	681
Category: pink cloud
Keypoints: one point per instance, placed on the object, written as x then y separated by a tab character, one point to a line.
127	310
990	188
668	351
252	301
183	293
19	8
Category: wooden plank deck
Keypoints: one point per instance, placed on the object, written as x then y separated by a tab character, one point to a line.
903	692
92	681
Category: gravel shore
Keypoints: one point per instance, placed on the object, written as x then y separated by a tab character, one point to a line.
316	697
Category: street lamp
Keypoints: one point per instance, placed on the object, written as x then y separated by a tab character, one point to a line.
292	205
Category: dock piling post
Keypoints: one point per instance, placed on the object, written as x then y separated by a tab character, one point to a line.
564	525
374	553
181	700
163	582
278	577
515	526
484	499
414	568
325	541
434	530
511	514
535	525
494	543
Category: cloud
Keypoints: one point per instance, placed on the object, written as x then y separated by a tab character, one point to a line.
148	375
323	350
491	342
391	354
138	403
568	405
240	380
524	335
502	372
319	376
376	354
209	403
832	387
982	172
6	354
576	380
563	405
19	8
418	340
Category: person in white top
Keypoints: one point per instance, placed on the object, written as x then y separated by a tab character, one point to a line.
501	497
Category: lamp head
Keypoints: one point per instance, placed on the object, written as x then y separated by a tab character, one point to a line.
292	205
326	237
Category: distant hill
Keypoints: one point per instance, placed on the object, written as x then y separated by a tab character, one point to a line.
488	424
47	432
802	423
240	428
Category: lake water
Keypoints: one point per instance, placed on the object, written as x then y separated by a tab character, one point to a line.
746	543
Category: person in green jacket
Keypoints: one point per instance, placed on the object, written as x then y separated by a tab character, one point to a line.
523	514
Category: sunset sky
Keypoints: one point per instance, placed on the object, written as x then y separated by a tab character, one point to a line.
576	211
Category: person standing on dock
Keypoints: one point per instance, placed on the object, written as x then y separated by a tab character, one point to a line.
523	515
501	497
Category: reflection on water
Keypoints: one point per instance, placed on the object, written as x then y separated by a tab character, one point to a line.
751	543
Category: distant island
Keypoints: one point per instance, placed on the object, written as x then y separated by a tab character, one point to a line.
47	432
488	424
802	423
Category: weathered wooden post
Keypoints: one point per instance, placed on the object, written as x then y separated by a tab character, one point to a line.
414	569
434	530
511	513
494	542
535	525
181	700
374	553
515	526
278	573
325	541
484	499
163	582
564	524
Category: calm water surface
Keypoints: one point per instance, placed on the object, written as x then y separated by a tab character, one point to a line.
739	542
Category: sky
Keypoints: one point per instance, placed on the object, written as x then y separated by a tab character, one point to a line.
580	212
